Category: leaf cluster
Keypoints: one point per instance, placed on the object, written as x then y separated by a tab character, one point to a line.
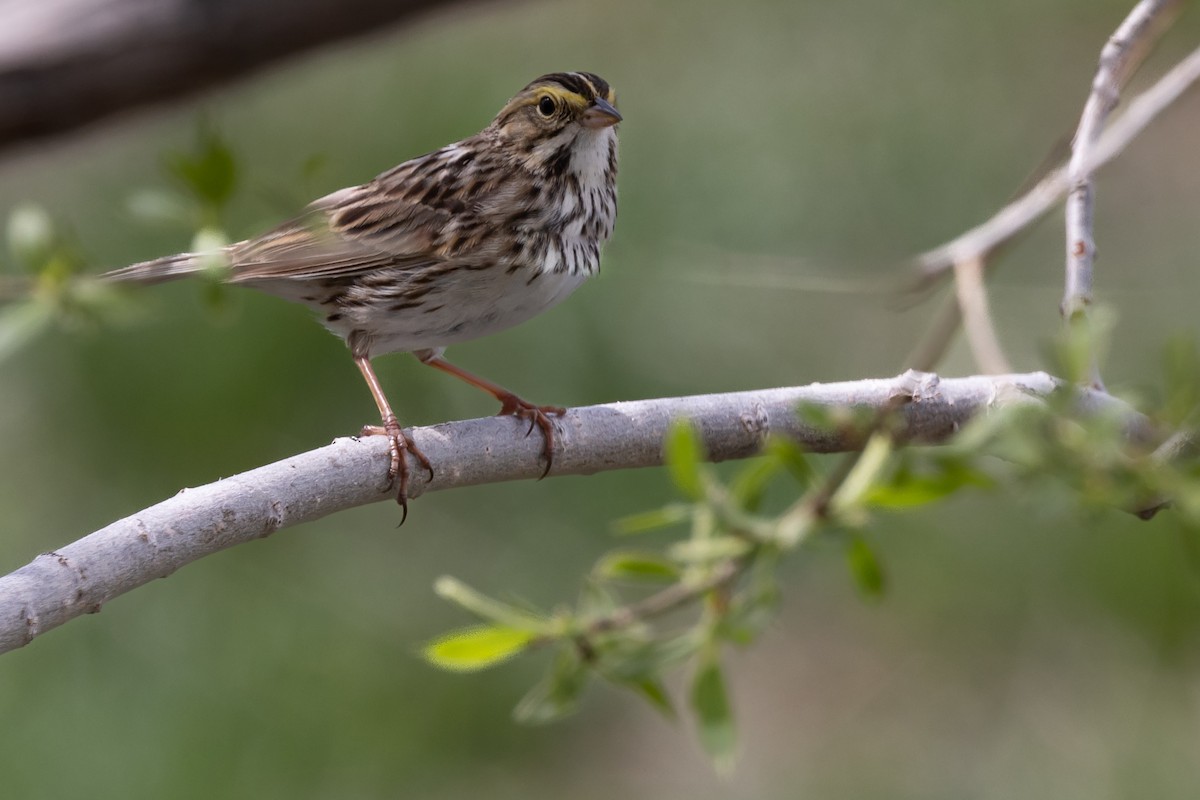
645	613
717	583
43	283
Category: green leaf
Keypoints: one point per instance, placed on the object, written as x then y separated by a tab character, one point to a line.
907	490
656	694
1018	434
821	417
1181	373
210	172
557	694
750	484
1083	341
909	494
754	607
595	600
863	475
668	515
720	548
683	456
635	565
628	661
21	323
505	614
836	419
476	648
714	716
743	623
867	572
791	456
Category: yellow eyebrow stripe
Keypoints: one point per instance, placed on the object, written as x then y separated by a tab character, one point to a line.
563	95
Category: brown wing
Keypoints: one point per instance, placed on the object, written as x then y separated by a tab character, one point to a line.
431	210
390	222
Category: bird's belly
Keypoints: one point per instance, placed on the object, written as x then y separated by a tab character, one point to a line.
466	304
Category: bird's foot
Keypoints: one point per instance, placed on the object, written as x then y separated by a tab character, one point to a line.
537	416
400	444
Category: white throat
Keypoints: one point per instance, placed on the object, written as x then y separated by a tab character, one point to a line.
589	161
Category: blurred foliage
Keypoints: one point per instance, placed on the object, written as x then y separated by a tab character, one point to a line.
727	566
44	285
52	288
209	174
775	156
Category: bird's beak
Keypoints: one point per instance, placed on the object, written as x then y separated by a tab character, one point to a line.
600	114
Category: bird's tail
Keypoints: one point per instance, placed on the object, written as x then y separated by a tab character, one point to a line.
160	269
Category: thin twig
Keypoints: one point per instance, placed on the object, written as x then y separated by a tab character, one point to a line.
977	319
1119	59
930	351
668	599
981	240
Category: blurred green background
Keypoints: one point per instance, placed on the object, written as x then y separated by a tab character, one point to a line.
777	159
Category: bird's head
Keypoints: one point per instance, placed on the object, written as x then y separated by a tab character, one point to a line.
565	120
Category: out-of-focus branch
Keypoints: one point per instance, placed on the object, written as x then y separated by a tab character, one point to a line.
968	255
1119	59
81	577
932	348
65	63
977	319
1027	209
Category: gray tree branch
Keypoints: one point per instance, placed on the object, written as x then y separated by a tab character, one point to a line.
65	63
82	576
1120	58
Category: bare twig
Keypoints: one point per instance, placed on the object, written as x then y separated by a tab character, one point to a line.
82	576
977	320
1119	59
1018	215
666	600
932	347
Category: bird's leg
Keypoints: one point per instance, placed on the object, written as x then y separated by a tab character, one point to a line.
400	443
509	403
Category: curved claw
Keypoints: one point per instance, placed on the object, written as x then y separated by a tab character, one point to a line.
510	404
399	445
539	417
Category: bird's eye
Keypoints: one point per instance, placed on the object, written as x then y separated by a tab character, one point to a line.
546	106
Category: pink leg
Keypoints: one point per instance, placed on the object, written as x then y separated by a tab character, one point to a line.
509	404
399	443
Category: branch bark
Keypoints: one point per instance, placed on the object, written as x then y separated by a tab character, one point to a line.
65	63
1119	59
81	577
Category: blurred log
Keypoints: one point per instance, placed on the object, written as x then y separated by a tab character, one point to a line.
66	63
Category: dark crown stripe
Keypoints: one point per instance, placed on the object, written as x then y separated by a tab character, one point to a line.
585	84
598	86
